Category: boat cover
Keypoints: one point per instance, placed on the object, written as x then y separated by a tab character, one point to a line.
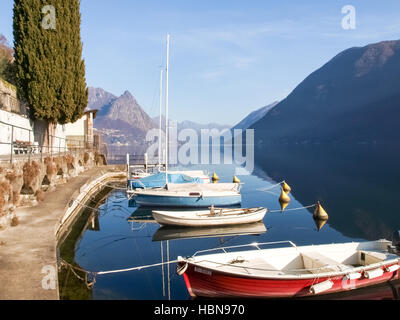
158	180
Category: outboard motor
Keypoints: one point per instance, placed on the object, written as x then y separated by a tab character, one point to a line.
396	242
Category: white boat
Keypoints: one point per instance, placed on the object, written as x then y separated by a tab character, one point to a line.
211	217
289	271
190	195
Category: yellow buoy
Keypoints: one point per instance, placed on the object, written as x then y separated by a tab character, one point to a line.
236	179
284	199
286	187
320	213
320	223
214	177
283	205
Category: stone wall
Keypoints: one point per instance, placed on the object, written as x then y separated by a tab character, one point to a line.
9	101
24	183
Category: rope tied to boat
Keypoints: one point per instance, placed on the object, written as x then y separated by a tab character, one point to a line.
271	187
237	260
93	274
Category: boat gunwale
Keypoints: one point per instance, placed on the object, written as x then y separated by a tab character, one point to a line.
304	276
184	194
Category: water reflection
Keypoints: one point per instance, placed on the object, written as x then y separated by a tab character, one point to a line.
353	186
170	233
358	185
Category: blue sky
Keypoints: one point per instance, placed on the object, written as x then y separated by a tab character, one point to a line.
228	58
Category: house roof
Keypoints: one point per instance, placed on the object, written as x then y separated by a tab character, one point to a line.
94	111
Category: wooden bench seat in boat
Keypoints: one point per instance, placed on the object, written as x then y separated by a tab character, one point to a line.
316	262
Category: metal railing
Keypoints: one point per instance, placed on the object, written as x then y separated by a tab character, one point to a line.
25	143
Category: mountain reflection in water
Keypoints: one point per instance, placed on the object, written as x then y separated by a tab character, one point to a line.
357	185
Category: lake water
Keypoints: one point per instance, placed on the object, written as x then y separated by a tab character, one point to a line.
357	186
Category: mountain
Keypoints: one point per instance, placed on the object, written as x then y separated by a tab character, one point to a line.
187	124
254	116
126	108
121	120
99	99
355	97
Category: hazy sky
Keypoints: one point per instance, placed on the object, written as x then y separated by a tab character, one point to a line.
228	57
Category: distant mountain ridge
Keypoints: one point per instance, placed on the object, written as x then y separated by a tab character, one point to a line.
254	116
123	122
187	124
355	97
99	99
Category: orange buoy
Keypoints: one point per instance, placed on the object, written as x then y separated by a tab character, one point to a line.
286	187
320	213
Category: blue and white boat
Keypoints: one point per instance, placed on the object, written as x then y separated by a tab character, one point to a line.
158	180
190	195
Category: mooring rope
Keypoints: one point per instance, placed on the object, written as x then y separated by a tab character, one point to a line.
135	268
82	205
110	186
270	187
94	274
293	209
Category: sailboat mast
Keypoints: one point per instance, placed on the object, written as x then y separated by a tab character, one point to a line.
166	112
160	131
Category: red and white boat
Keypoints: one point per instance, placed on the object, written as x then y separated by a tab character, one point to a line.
289	271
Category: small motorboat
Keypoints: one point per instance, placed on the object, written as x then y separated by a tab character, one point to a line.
289	271
211	217
171	233
158	180
190	195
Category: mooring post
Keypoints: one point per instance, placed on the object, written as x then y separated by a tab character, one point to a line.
127	165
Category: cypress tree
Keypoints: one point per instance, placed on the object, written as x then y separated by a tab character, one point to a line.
50	70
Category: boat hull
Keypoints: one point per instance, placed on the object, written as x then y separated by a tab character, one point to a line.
204	282
179	201
208	221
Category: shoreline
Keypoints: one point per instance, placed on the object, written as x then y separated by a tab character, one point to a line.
28	251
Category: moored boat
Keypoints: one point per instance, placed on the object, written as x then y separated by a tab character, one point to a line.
211	217
158	180
290	271
190	195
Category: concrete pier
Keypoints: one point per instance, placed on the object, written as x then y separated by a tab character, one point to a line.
28	254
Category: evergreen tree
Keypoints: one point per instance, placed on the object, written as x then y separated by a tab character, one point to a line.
50	71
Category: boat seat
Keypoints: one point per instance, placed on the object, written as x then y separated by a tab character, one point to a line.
318	263
370	257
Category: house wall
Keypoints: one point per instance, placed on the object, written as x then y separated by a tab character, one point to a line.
77	128
15	127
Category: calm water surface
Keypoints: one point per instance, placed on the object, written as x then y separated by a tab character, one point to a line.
356	187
